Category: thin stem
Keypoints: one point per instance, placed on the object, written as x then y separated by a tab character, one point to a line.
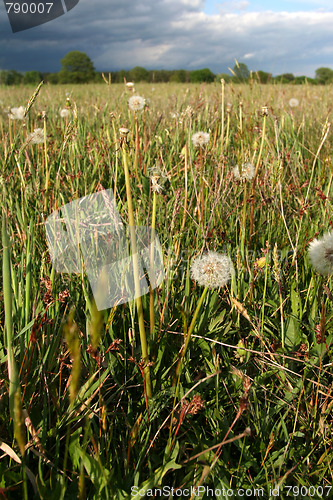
138	301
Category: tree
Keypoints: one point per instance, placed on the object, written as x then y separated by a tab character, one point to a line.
324	75
139	74
201	75
263	77
32	77
285	78
77	67
179	76
241	72
10	77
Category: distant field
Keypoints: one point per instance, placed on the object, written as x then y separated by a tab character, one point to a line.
235	390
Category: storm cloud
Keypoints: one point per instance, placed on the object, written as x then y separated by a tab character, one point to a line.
173	34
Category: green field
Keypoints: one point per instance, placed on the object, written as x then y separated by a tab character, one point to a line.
233	397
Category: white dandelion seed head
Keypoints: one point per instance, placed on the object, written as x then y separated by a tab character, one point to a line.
321	254
130	86
200	139
37	136
136	103
17	113
65	112
293	102
155	184
248	171
212	270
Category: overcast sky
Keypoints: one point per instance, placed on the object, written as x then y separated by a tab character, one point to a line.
277	36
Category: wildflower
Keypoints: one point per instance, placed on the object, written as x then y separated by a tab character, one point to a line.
212	270
37	136
247	174
64	113
136	103
293	103
130	86
200	139
321	254
17	113
157	178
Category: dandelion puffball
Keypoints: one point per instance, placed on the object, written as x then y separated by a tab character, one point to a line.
293	103
200	139
247	172
321	254
16	113
212	270
65	112
136	103
37	136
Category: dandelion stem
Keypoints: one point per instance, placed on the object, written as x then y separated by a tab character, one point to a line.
47	173
138	300
222	114
256	173
151	291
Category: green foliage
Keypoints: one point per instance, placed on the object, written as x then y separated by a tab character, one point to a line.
32	78
77	67
263	77
10	77
254	402
241	72
324	75
138	74
201	75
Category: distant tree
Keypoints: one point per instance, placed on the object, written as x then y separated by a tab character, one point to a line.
77	67
123	75
263	77
201	75
51	78
179	76
32	77
285	78
139	74
226	77
10	77
241	72
324	75
299	80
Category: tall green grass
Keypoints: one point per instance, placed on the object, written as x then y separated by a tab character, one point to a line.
253	405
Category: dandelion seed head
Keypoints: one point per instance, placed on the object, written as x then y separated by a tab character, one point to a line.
212	270
136	103
200	139
17	113
247	174
64	113
321	254
293	102
37	136
130	86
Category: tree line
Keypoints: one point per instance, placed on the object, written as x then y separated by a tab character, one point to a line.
77	67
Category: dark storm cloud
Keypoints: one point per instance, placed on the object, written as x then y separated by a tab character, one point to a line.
172	34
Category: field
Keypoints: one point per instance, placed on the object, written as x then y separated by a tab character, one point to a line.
207	386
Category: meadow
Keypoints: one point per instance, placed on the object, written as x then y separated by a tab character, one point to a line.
192	391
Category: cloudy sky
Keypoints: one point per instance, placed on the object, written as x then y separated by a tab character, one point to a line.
277	36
